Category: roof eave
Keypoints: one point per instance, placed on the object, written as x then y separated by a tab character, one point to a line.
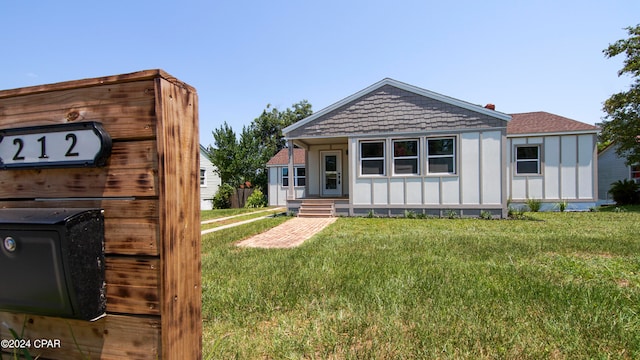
555	133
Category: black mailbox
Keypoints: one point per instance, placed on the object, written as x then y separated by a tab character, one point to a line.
52	262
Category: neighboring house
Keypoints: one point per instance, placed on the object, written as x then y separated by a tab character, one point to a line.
552	159
612	168
394	147
279	176
209	180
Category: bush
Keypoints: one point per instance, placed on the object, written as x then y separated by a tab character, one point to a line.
534	204
256	200
222	199
625	192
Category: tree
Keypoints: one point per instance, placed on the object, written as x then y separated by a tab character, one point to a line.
261	140
622	122
224	155
245	159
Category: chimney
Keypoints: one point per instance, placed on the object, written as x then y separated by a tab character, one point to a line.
490	106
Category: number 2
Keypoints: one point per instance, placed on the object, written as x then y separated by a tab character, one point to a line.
74	140
20	144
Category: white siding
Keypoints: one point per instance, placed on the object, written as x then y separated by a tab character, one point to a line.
274	196
470	167
567	169
413	191
362	192
450	190
568	158
432	191
551	165
585	167
397	191
492	172
611	168
380	192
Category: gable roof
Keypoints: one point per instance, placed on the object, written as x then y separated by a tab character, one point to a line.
391	104
282	157
541	122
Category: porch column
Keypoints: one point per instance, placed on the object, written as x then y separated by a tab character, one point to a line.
291	191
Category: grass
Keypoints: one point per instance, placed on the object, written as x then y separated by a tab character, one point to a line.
239	217
558	286
220	213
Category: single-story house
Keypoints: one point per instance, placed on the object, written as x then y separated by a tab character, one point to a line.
612	168
393	147
209	180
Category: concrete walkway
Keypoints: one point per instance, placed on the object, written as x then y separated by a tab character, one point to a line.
222	227
291	233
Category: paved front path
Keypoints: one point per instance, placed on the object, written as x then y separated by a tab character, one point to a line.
291	233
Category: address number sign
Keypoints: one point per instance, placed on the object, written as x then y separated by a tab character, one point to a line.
65	145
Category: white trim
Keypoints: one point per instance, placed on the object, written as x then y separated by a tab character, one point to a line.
558	133
402	86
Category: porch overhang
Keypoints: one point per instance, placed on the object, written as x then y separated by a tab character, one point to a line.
306	142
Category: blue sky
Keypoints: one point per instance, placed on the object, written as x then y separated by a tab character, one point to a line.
242	55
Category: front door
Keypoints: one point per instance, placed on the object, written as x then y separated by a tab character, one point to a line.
331	173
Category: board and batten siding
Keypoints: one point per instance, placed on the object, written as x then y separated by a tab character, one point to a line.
567	166
478	179
278	193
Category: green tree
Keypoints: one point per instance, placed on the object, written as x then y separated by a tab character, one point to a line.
243	159
261	140
622	122
224	155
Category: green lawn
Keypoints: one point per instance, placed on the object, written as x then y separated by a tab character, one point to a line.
556	286
220	213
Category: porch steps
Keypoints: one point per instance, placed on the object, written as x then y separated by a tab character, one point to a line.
317	208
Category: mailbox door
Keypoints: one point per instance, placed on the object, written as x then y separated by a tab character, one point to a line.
33	276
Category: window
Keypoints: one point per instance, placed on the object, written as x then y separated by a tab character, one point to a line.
203	177
528	159
405	157
635	173
299	176
441	155
372	158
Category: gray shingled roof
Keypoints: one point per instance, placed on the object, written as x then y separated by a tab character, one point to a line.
390	106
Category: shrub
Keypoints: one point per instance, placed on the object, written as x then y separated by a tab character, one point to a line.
534	204
409	214
625	192
222	198
486	215
256	200
562	205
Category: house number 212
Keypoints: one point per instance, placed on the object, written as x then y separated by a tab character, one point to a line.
43	147
64	145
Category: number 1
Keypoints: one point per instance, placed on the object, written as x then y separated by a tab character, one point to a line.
43	148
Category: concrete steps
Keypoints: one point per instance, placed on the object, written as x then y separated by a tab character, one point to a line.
316	208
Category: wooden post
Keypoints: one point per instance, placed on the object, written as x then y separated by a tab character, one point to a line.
149	190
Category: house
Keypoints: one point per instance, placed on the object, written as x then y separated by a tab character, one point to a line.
278	167
393	147
612	168
553	159
209	180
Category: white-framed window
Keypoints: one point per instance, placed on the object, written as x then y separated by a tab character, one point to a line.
441	155
635	173
372	157
299	176
527	159
406	157
203	177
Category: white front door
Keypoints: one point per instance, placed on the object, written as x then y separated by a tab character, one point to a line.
331	173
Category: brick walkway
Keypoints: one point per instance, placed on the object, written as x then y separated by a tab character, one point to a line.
291	233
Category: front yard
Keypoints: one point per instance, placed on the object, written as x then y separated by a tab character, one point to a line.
559	286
